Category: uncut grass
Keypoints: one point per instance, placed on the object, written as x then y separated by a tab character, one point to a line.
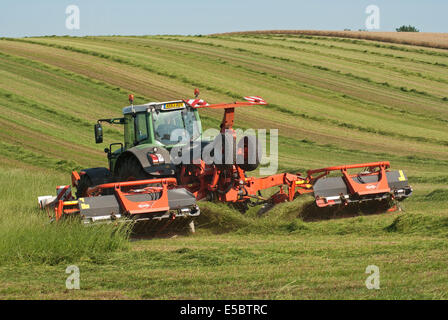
27	236
232	256
263	267
269	258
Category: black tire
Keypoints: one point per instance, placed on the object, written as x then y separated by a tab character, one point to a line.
223	157
83	185
131	169
250	145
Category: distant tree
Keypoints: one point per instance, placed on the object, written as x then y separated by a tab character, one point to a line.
408	28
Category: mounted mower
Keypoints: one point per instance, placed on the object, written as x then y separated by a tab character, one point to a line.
147	181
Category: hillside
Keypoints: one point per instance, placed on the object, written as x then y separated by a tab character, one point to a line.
424	39
334	100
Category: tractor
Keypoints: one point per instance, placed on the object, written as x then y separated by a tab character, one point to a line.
164	166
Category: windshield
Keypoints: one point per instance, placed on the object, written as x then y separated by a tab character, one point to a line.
171	127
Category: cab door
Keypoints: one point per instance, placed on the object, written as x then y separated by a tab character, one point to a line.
141	128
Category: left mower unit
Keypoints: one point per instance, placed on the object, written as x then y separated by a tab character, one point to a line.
154	203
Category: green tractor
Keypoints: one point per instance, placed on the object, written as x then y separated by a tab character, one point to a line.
148	130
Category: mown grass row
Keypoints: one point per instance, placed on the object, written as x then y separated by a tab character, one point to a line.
148	68
344	98
226	61
95	84
297	83
341	124
375	64
38	127
366	42
37	159
289	218
345	125
321	68
369	104
401	89
347	49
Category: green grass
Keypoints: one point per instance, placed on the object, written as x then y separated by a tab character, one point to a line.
27	236
334	101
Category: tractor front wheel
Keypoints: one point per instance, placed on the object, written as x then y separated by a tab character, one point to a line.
131	169
83	185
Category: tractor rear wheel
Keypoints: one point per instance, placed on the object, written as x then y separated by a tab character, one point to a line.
251	153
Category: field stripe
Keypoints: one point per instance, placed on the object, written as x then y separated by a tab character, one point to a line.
330	66
399	97
106	56
432	75
373	130
317	128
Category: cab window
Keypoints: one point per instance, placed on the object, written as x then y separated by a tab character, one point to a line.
129	135
178	122
141	127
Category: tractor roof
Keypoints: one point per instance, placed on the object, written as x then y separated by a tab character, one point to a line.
165	106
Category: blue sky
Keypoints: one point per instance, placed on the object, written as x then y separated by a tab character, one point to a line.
136	17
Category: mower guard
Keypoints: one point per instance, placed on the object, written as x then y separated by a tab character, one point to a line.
136	200
374	183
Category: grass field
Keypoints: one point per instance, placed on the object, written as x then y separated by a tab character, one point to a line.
334	100
425	39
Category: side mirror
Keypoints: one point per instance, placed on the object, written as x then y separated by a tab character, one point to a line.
98	133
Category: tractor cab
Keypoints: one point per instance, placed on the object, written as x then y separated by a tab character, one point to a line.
155	124
160	123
